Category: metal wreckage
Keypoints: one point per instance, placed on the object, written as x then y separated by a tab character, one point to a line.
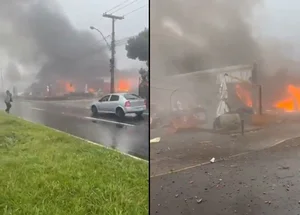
216	99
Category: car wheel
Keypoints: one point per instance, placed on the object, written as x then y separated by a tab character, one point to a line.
139	113
120	113
94	110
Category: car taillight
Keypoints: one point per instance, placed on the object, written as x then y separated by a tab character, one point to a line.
127	104
145	102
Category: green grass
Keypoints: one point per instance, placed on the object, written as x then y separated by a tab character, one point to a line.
47	172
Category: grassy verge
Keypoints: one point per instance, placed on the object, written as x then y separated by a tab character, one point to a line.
46	172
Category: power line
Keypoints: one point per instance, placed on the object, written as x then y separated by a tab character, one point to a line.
130	3
117	6
134	10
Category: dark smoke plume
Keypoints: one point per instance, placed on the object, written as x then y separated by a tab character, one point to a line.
38	33
194	35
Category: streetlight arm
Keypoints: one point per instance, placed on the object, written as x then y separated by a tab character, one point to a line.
93	28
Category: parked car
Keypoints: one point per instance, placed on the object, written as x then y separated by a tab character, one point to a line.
119	104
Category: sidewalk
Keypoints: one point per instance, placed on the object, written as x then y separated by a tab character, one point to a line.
265	182
182	150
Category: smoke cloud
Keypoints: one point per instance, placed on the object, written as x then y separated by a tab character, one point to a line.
12	73
37	33
194	35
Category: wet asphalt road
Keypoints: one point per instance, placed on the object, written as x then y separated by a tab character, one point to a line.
260	182
129	135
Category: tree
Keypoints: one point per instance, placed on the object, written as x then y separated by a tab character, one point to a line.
138	47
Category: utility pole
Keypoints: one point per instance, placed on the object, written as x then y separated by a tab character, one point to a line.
2	83
113	49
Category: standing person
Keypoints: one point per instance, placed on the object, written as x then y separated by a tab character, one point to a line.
8	100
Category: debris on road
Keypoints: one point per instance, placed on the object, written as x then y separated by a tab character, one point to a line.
205	142
212	160
268	202
234	135
283	167
199	201
155	140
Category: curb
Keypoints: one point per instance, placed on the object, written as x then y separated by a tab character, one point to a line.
88	141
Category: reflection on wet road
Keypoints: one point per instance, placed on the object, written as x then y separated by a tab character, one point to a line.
129	136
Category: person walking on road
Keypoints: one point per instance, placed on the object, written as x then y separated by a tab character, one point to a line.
8	100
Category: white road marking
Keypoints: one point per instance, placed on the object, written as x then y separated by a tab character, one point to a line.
39	109
88	141
109	121
228	158
89	118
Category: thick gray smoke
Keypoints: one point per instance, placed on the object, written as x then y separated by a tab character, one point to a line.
12	73
38	33
194	35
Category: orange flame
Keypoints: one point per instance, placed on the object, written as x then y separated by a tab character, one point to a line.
244	95
91	90
292	103
123	86
69	87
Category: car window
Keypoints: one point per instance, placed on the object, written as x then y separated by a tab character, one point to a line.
114	98
104	99
131	97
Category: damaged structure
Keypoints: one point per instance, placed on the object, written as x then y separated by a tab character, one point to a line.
229	94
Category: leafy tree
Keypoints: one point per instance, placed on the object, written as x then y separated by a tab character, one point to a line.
138	47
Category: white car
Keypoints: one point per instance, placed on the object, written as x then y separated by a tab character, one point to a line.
119	104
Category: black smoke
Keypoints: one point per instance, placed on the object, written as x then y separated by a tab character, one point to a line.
195	35
39	33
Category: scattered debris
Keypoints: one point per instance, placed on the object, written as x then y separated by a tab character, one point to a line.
176	195
207	141
212	160
284	167
191	182
268	202
155	140
199	201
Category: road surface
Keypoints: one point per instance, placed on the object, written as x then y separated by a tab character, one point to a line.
259	182
183	150
129	135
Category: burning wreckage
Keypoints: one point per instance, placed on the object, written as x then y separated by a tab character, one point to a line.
87	87
221	99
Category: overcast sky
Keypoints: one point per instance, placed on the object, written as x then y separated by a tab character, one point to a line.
84	13
280	19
